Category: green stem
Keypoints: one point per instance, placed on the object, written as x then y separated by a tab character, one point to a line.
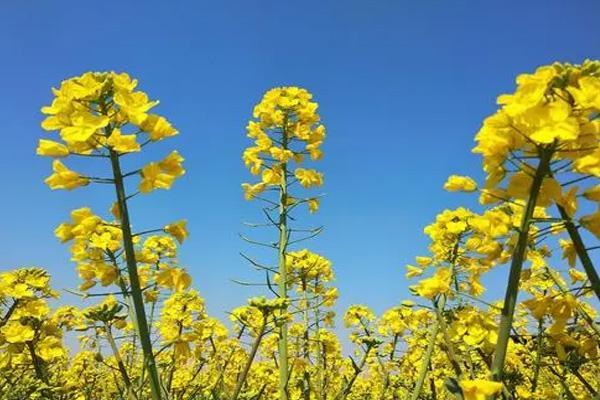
585	383
538	355
320	359
561	380
581	251
40	371
9	312
305	343
250	360
435	327
136	292
386	381
219	381
580	310
173	362
432	383
439	306
282	250
357	370
120	364
518	257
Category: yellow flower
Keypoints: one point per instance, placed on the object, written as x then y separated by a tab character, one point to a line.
115	210
520	184
492	196
153	178
171	164
83	126
15	332
588	164
37	308
309	177
134	105
569	252
64	178
50	148
281	155
592	223
123	143
530	90
457	183
587	95
157	127
50	348
479	389
272	176
550	122
178	230
106	274
593	193
577	276
430	287
412	271
64	232
569	201
176	279
251	191
357	314
313	205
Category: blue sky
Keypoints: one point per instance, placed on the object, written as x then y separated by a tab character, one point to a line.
402	85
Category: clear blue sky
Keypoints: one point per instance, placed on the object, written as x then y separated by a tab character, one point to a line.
403	87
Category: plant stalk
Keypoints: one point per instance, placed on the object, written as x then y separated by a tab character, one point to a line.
581	251
434	329
282	269
516	266
255	345
136	292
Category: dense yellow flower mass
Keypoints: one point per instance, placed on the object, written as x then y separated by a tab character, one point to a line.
479	389
142	331
286	130
102	113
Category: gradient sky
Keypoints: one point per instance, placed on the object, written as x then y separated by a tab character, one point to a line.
402	85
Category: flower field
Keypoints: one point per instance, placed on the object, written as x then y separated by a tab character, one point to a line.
144	331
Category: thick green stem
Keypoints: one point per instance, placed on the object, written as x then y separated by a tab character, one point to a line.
357	370
282	269
434	329
40	370
386	381
581	251
518	258
439	306
562	382
305	343
173	363
120	364
432	383
9	313
136	292
249	361
580	310
320	359
585	383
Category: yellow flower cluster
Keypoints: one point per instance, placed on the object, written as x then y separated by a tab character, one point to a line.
464	245
286	128
102	114
28	329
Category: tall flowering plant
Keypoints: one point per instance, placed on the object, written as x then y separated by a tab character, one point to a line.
287	131
542	159
103	116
